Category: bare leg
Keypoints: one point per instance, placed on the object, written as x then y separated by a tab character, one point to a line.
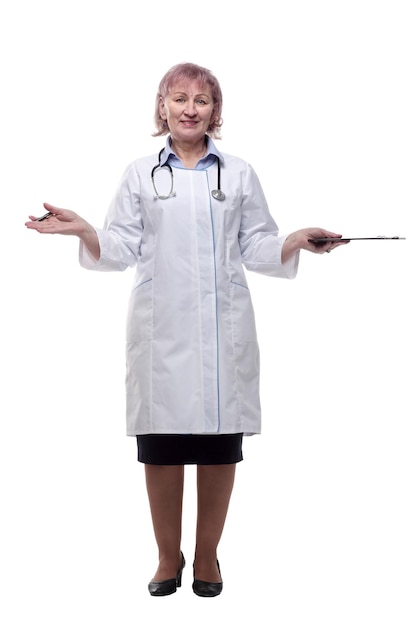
214	486
165	485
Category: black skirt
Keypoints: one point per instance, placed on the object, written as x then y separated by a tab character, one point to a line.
189	449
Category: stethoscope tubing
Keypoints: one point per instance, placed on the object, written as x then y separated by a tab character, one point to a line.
217	194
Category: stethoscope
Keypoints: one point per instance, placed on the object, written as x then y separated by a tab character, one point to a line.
217	194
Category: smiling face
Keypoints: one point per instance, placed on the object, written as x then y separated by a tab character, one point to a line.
188	111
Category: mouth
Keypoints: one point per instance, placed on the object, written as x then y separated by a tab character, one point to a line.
189	123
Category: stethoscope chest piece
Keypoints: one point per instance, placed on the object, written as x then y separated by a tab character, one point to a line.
218	194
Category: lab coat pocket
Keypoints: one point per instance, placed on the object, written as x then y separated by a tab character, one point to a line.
140	313
243	317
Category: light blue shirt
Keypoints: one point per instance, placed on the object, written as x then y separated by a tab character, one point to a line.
169	156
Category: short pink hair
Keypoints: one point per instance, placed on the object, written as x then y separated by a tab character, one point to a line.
190	71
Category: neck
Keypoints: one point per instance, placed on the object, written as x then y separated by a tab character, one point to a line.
189	153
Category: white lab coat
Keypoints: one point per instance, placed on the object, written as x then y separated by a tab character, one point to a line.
192	353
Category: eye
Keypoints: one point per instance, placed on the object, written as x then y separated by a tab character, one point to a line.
179	99
201	101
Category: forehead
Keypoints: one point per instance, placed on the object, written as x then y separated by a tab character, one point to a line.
190	86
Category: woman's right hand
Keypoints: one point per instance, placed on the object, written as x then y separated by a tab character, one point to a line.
61	221
65	222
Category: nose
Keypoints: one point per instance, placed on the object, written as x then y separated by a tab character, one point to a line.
190	108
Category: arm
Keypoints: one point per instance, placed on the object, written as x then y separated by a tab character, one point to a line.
263	249
116	246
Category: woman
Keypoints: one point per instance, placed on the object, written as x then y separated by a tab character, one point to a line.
189	219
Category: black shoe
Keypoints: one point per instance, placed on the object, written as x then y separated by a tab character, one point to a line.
166	587
206	589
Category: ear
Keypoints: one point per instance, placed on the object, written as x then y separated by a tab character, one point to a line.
162	113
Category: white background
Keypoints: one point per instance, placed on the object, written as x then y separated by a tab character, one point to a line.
320	97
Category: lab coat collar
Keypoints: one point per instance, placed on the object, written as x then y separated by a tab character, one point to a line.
169	155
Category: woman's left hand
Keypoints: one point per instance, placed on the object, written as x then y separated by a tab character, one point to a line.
302	240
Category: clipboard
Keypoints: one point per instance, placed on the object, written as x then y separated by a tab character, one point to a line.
335	239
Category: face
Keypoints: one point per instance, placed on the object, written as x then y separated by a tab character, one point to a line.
188	111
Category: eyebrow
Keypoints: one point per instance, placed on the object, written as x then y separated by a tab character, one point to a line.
182	93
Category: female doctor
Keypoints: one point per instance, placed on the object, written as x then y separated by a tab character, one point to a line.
189	219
